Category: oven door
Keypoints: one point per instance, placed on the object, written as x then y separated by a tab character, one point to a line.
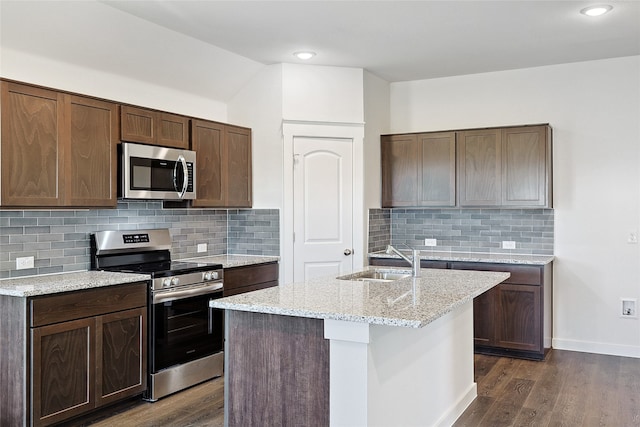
183	326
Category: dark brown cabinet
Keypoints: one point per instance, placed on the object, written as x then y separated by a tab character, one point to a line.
526	166
479	168
80	350
223	164
238	280
58	150
154	127
499	167
418	169
513	318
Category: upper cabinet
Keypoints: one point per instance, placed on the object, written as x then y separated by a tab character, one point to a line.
223	164
479	168
418	169
495	167
57	149
154	127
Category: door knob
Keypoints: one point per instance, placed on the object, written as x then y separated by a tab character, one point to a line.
347	252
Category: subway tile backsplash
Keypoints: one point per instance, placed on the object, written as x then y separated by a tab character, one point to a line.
59	239
464	230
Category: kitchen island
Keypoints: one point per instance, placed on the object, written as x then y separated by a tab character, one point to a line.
350	352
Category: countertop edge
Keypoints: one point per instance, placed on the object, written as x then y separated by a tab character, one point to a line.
480	257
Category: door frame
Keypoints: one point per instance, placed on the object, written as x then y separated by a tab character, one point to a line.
292	129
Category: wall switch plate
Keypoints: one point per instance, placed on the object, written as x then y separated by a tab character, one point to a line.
628	307
430	242
202	247
508	244
24	262
633	237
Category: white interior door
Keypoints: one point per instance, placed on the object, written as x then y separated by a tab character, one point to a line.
323	207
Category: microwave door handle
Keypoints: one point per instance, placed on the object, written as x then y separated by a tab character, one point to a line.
185	174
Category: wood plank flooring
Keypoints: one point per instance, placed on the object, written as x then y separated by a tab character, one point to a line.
567	389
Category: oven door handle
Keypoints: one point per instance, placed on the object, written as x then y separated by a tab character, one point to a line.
191	291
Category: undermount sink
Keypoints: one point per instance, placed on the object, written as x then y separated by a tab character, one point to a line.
378	275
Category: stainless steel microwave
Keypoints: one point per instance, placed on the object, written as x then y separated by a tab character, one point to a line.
152	172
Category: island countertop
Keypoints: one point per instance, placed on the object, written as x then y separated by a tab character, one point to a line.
409	302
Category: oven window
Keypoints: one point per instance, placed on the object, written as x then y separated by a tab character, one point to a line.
184	330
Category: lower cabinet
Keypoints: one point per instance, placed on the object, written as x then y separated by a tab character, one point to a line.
88	349
238	280
512	318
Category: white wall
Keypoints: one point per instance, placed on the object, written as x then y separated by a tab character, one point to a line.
594	110
376	117
90	48
322	94
259	106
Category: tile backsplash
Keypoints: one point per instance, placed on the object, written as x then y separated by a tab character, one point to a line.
59	239
464	230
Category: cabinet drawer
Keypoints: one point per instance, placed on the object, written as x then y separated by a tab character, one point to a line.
250	288
238	277
66	306
520	274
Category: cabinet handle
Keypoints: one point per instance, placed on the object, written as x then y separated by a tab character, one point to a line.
348	252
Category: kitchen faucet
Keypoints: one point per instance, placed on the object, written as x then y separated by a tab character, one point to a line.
414	261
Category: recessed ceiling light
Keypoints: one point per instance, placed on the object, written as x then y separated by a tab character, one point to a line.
597	10
304	55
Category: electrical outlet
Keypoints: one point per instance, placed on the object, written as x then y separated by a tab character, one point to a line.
508	244
628	307
202	247
24	262
633	237
430	242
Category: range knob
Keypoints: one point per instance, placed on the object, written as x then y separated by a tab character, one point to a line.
206	275
215	275
175	281
166	282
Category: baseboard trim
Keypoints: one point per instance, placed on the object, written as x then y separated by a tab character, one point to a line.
597	347
456	410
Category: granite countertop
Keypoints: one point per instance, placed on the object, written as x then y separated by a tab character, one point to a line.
497	258
406	302
229	261
65	282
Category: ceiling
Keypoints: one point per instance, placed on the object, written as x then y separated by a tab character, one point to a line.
404	40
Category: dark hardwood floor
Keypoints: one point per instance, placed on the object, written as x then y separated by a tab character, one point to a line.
567	389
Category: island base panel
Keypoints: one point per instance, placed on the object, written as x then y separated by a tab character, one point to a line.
277	370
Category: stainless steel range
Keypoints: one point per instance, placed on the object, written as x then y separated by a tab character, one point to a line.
185	335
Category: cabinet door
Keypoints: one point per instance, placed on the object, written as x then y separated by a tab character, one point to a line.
121	364
519	320
92	157
483	318
207	141
479	167
438	169
62	370
400	167
32	146
172	131
137	125
524	166
239	181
